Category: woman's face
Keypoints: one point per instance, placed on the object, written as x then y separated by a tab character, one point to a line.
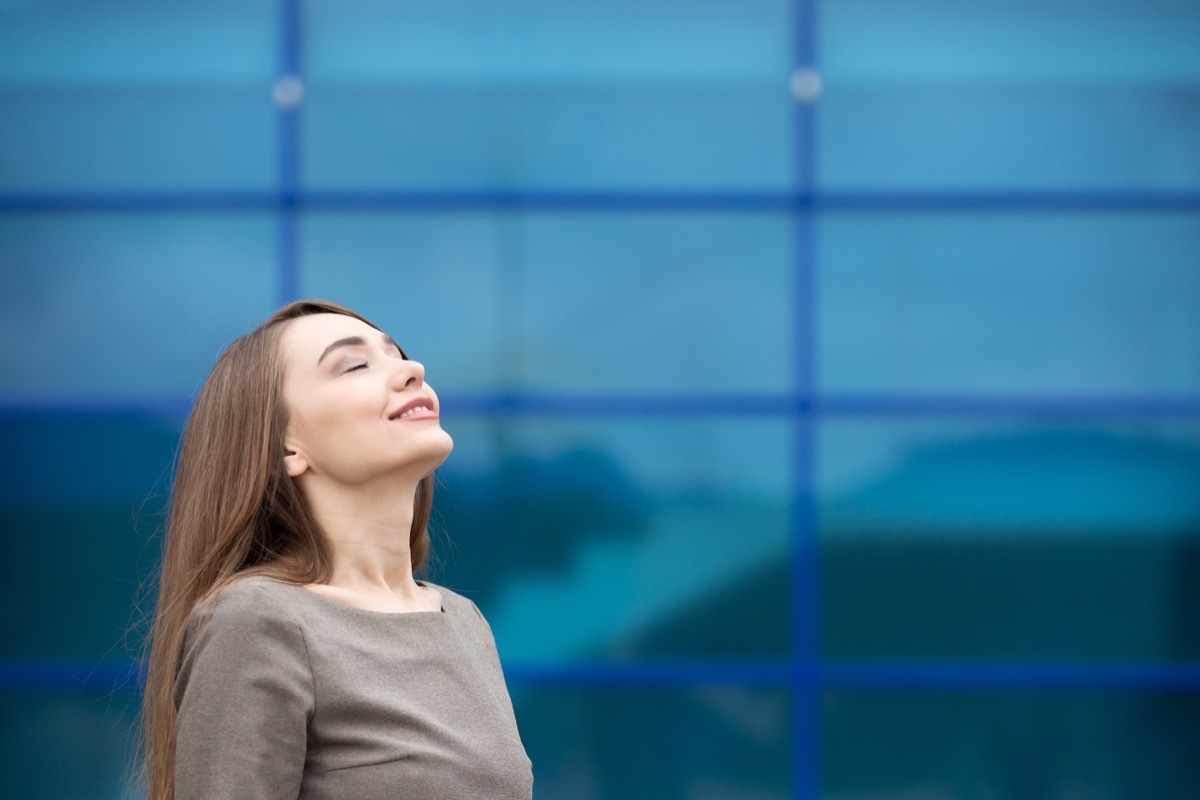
358	410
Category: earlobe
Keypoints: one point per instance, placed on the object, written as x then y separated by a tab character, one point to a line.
295	463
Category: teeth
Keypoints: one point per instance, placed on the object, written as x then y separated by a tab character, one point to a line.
412	411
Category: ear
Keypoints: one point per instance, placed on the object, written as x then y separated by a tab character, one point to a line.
295	462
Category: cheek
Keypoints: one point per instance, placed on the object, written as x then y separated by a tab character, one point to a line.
313	426
333	424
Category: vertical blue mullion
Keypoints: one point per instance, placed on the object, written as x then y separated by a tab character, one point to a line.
288	243
805	590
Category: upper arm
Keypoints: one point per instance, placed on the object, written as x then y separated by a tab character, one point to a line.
245	696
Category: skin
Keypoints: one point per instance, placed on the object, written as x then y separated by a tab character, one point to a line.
357	467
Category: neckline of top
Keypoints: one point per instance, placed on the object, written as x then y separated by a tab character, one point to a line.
328	601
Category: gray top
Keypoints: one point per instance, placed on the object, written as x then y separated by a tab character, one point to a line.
284	693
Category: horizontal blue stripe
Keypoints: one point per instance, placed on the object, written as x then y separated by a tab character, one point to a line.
548	404
984	200
597	201
1010	675
99	408
415	201
749	405
667	200
1004	405
666	673
148	202
67	676
850	675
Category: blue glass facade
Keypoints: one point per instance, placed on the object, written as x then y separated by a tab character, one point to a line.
823	373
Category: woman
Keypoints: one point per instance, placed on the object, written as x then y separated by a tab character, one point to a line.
294	654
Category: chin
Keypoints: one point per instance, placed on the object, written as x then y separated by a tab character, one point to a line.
439	451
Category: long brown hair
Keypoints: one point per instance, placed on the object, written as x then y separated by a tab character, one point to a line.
234	511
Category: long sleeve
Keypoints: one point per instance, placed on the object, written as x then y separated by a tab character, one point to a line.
245	697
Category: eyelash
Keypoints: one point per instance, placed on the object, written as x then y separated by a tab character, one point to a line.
364	365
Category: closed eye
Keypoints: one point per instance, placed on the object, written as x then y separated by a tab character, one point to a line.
357	367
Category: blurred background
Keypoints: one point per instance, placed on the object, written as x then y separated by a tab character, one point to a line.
824	374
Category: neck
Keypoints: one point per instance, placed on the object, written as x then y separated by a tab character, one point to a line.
367	528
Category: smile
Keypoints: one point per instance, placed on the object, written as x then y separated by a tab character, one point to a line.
417	408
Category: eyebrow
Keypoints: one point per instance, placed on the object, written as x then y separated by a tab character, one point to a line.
357	341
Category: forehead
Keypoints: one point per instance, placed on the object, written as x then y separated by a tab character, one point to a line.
305	338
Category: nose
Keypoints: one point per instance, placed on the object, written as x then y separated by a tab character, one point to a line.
408	373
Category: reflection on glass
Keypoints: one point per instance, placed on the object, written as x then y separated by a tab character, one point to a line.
144	138
621	539
430	280
1004	95
1008	540
125	306
611	303
724	743
137	95
663	303
1010	744
71	743
81	507
471	96
1060	304
546	136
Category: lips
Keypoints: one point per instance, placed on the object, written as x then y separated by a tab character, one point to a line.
417	407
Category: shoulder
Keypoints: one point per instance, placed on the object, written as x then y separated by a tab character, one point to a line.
245	607
243	635
254	594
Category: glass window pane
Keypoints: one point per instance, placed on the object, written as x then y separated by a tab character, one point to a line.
152	96
1003	94
609	303
430	280
698	303
532	94
67	744
1102	745
717	743
111	307
585	540
81	498
990	539
1009	303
